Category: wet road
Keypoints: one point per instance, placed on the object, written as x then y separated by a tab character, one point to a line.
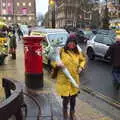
98	77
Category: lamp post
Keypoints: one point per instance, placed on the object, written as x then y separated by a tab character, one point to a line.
13	5
53	17
106	18
52	5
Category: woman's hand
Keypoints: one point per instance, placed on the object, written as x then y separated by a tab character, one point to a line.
60	64
80	70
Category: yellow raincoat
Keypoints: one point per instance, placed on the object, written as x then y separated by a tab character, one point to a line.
72	62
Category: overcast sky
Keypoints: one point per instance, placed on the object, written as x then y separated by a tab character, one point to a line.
41	6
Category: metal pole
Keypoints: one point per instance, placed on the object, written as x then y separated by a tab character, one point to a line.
13	11
53	16
1	7
35	16
106	18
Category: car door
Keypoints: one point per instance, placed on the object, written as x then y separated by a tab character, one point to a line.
100	47
108	40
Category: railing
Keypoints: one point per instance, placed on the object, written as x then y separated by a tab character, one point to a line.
13	102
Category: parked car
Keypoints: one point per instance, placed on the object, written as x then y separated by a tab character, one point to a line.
99	44
89	34
83	35
53	38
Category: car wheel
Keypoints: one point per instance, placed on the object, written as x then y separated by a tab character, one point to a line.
90	54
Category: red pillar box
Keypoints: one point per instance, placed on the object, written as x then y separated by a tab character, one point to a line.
33	62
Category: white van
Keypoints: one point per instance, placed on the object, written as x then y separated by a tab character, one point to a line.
53	38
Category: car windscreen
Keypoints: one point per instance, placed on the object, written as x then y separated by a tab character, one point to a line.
89	34
108	40
58	39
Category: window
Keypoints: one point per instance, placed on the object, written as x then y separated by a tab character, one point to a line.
80	33
18	18
4	12
57	39
30	18
61	38
29	4
18	4
24	4
9	4
4	18
3	4
9	18
99	38
52	37
108	40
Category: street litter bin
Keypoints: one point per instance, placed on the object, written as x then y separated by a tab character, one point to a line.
33	62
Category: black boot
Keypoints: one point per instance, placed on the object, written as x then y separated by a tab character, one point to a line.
14	56
65	107
65	114
72	115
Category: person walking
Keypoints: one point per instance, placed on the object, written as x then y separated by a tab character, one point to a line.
20	33
114	53
75	62
12	44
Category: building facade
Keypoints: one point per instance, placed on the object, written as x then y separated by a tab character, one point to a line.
67	12
18	11
75	13
113	7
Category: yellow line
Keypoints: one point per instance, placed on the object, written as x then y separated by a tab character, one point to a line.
103	97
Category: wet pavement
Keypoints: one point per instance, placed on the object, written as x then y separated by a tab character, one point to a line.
45	104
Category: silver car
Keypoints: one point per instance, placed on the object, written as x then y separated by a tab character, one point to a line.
99	44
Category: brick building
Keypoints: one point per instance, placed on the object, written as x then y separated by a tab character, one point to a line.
18	11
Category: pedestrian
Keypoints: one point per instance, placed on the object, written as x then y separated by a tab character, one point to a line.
75	62
114	53
12	44
20	33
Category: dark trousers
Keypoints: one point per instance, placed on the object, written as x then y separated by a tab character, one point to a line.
116	75
71	100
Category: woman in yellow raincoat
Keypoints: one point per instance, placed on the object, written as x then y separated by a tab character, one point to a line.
74	61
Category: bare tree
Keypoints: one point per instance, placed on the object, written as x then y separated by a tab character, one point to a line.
40	18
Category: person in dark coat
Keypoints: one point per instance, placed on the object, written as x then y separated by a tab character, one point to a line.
20	33
114	53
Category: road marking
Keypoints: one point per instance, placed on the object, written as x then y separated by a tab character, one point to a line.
102	97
